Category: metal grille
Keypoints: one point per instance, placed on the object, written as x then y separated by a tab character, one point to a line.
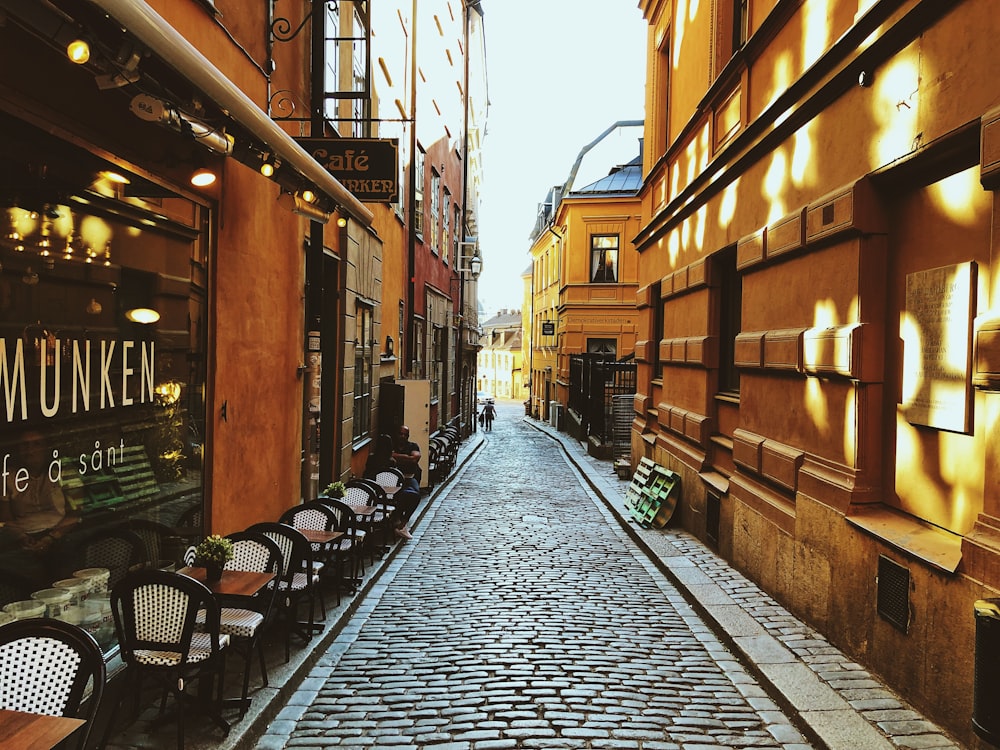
894	592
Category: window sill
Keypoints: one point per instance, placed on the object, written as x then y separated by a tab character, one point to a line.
936	547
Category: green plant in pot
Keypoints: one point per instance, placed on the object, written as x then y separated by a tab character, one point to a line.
335	489
212	553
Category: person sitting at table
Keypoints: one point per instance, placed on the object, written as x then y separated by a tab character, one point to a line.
406	457
406	499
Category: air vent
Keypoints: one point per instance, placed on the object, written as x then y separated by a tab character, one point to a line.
894	593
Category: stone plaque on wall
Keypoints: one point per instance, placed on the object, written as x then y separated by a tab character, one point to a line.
937	343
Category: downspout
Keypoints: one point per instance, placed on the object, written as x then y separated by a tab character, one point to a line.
411	201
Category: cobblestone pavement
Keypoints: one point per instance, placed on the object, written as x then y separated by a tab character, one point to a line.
523	616
842	705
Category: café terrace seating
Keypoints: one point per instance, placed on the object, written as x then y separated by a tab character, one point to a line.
46	667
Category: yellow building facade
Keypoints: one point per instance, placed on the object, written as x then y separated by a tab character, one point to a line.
598	271
818	305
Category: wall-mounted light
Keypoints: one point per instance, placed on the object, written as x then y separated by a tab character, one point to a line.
78	51
144	315
268	165
94	307
308	196
472	263
297	205
203	177
341	221
389	348
151	109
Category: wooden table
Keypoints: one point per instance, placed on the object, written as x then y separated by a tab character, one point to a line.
23	731
320	537
233	582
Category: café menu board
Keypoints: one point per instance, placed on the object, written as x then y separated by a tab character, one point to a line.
937	344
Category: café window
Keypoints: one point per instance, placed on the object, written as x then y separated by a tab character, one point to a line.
604	258
102	361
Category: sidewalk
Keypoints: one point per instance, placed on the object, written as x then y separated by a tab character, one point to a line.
835	702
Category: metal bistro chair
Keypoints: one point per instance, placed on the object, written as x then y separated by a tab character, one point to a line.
299	578
45	668
352	543
155	614
244	618
319	516
115	548
365	493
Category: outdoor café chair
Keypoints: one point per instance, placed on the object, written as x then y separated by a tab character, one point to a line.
45	668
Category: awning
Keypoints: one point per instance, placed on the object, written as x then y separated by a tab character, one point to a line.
163	40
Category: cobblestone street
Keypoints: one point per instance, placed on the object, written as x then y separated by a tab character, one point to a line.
521	615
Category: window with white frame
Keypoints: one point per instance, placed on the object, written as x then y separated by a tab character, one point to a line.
418	192
435	206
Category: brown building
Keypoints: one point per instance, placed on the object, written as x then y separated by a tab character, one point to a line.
818	298
199	354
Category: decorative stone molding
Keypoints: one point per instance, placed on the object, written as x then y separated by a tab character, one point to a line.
848	351
696	428
768	459
697	351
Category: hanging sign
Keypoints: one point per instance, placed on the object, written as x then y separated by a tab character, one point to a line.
548	328
367	167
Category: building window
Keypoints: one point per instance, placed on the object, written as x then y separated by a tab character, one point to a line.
606	348
730	303
604	258
363	348
445	225
435	216
418	192
732	20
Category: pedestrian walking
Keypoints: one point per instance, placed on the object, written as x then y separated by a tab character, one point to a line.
489	414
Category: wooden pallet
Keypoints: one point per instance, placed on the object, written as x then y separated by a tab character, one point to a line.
652	495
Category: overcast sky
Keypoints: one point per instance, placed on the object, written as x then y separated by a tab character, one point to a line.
560	72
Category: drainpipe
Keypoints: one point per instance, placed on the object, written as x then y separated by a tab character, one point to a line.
411	202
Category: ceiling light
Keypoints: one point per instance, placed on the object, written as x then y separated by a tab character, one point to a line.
115	177
203	177
341	222
308	196
78	51
268	165
143	315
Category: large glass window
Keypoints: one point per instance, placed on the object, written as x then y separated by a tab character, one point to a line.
102	355
604	258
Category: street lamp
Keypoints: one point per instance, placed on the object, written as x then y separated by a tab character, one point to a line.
472	263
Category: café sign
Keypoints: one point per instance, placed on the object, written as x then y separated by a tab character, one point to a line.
367	167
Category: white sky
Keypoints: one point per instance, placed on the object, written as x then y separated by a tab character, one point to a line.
559	73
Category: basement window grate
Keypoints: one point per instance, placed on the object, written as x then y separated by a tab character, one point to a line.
894	593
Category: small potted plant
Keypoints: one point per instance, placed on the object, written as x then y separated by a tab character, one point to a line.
212	554
335	489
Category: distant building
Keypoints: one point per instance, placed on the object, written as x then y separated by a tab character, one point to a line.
499	364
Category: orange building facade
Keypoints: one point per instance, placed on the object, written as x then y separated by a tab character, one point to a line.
817	293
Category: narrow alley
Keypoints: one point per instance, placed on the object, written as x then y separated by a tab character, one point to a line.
521	615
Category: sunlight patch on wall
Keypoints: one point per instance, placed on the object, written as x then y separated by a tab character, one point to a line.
850	428
691	154
673	248
894	111
727	206
700	218
825	314
680	22
774	183
816	34
817	406
955	196
961	465
704	148
802	153
909	332
781	76
913	484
